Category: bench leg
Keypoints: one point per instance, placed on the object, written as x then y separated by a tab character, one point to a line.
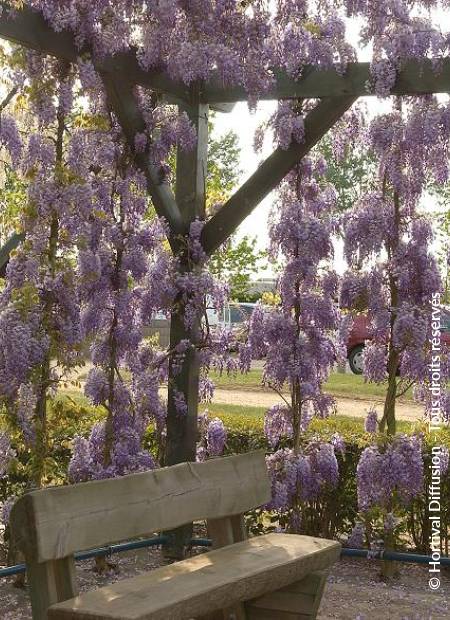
49	583
298	601
235	613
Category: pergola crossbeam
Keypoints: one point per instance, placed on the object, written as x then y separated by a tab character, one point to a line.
30	29
271	172
414	78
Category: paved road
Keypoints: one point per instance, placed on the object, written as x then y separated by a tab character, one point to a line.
345	406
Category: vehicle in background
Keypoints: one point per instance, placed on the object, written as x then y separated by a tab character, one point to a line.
234	316
361	333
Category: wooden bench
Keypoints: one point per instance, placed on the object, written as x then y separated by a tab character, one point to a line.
276	576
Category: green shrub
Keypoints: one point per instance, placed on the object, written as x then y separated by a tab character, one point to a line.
333	516
336	513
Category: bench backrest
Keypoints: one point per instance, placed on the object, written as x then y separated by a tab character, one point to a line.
51	524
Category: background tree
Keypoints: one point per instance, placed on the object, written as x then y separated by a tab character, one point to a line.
237	260
236	263
351	167
442	223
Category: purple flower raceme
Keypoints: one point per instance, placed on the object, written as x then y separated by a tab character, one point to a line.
397	468
216	437
91	204
357	538
371	422
299	339
338	442
301	477
278	424
10	138
5	509
393	273
212	437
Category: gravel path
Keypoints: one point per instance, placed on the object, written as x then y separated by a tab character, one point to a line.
353	407
353	591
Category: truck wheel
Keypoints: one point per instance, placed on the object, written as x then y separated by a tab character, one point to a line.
355	359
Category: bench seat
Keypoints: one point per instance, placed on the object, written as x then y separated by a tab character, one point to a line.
205	583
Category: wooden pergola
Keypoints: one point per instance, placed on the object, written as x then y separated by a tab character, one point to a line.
121	73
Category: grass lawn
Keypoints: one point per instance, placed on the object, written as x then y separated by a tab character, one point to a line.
343	385
339	385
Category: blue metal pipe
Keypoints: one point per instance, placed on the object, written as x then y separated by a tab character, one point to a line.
155	541
9	571
201	542
415	558
97	553
129	546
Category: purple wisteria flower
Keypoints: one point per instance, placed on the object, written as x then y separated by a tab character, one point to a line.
357	538
398	468
371	422
216	437
6	453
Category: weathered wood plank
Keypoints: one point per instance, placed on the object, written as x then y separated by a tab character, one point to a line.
182	430
206	582
271	172
55	522
222	532
192	165
190	197
239	529
29	28
415	78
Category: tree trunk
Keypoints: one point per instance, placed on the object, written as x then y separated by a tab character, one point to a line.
388	418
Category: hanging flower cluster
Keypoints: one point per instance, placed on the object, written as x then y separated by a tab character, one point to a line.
395	474
94	266
298	339
213	437
119	250
40	323
6	453
300	479
388	246
246	43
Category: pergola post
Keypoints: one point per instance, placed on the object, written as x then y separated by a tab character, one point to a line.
190	196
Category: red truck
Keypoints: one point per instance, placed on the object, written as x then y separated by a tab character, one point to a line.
361	333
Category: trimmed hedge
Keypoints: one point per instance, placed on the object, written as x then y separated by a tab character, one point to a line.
336	513
333	516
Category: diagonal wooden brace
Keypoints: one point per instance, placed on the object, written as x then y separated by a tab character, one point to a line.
271	172
125	106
